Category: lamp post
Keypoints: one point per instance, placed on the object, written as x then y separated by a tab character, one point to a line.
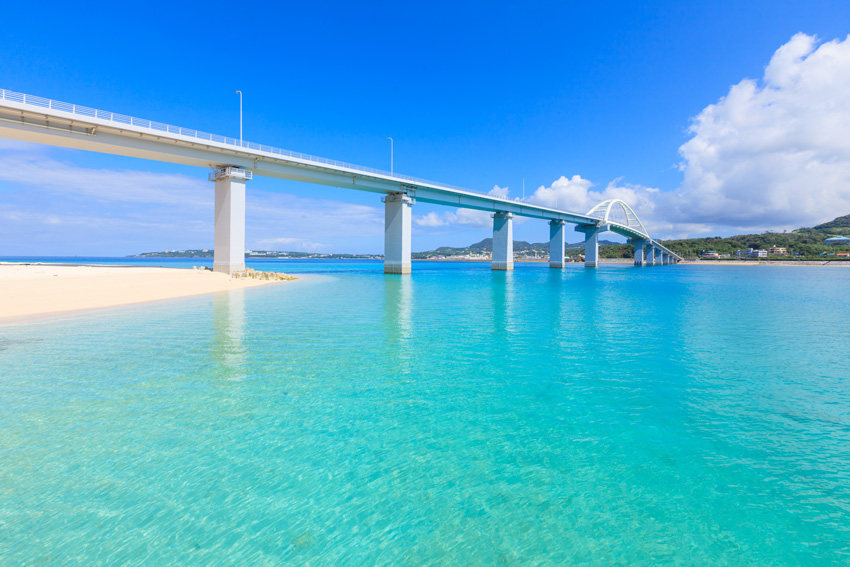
240	117
391	154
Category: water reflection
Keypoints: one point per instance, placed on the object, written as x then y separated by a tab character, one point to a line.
504	304
552	315
229	350
398	308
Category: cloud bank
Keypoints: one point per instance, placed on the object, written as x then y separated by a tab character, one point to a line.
776	152
772	153
50	206
466	217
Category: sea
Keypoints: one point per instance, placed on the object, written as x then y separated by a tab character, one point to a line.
695	415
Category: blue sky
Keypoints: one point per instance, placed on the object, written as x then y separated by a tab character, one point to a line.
634	100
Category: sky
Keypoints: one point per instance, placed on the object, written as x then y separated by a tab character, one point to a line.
709	118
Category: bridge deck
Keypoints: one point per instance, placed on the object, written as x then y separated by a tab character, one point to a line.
45	121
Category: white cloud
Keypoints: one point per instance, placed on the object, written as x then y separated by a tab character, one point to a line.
500	192
432	220
35	170
571	194
466	217
50	206
579	195
774	153
771	154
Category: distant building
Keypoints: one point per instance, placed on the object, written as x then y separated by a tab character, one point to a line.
778	251
753	253
837	241
710	255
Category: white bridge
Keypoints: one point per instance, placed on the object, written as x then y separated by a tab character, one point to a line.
36	119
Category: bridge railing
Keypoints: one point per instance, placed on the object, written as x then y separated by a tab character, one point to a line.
41	102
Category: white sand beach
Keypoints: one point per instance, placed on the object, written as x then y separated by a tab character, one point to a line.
41	289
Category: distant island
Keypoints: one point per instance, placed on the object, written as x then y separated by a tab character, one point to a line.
478	251
260	254
522	251
801	244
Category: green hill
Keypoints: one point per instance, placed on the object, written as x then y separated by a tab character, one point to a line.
839	226
521	247
802	243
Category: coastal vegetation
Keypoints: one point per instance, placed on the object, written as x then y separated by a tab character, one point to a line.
258	254
803	243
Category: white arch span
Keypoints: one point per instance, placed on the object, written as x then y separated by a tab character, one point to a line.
603	211
647	249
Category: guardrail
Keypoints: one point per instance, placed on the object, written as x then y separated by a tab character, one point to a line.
123	119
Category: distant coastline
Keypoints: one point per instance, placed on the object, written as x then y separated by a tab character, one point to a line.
821	245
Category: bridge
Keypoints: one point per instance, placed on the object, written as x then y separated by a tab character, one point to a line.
234	163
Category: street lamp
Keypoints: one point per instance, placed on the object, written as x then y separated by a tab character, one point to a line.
240	116
391	154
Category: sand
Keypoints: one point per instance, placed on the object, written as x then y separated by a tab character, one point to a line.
28	290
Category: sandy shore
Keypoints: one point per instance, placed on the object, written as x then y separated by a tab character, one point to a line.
40	289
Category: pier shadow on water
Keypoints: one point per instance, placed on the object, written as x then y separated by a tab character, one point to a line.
229	351
398	321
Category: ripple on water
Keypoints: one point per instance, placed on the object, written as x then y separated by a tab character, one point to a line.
690	415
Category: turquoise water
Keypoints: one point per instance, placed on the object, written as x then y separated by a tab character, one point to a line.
694	415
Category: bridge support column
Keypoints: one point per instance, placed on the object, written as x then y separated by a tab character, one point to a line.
557	248
640	259
397	224
503	241
591	244
650	255
229	242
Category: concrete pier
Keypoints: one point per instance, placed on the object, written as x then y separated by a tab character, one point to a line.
591	244
650	255
557	246
229	240
397	224
640	259
503	242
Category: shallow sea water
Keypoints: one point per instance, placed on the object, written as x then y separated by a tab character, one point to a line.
693	415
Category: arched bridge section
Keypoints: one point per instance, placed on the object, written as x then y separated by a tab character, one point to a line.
630	222
617	216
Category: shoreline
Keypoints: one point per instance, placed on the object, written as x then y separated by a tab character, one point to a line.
824	263
30	290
